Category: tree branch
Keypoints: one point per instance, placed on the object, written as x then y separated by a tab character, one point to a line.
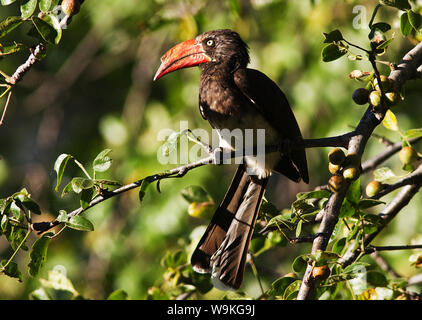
370	120
25	67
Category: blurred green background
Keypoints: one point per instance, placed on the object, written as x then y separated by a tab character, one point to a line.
95	91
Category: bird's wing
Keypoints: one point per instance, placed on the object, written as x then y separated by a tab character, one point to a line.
271	102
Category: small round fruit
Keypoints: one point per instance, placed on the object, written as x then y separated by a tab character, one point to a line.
372	188
408	155
351	173
392	98
71	7
336	183
375	98
336	156
333	168
321	273
361	96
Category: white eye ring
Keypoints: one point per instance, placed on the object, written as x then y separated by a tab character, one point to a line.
210	43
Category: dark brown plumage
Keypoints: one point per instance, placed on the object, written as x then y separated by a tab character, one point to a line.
233	96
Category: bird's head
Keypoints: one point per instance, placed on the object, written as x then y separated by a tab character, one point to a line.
213	49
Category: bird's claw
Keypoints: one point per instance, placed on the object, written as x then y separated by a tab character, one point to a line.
218	156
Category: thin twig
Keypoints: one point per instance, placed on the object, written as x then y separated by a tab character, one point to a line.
371	249
5	107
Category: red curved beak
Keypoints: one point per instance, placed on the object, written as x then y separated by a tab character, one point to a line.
184	55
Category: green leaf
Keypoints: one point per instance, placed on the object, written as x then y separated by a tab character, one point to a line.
8	50
390	121
382	26
269	209
39	254
80	223
279	286
377	279
333	36
62	217
299	228
413	133
9	24
369	203
374	219
119	294
355	267
67	189
292	290
399	4
5	205
29	204
55	23
86	197
39	294
6	2
318	194
196	194
142	190
202	282
405	26
279	221
28	8
299	264
79	184
323	257
415	19
174	259
44	30
4	222
347	209
60	287
385	44
339	246
102	162
59	167
16	211
11	270
45	5
332	52
355	192
385	175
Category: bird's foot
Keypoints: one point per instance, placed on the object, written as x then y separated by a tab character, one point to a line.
218	155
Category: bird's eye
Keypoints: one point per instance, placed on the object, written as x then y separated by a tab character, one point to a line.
210	43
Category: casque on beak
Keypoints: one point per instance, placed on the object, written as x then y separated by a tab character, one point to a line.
183	55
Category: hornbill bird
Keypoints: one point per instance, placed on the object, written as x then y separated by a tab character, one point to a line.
233	96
